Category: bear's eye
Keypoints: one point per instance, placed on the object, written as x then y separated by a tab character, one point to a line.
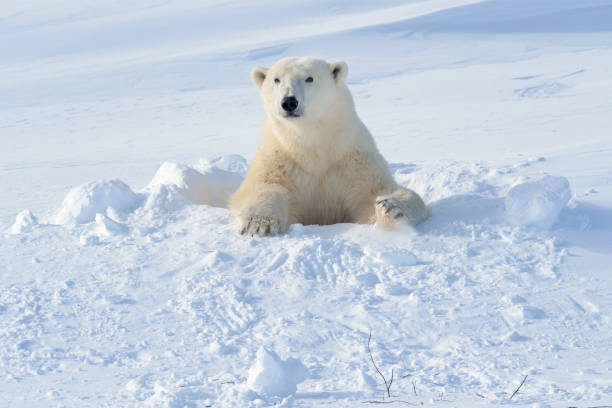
276	81
309	79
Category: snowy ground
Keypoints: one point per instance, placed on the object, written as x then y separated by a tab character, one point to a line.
118	289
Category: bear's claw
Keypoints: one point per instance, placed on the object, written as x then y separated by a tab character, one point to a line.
388	206
261	225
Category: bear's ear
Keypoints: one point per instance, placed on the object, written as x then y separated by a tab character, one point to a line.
258	74
338	70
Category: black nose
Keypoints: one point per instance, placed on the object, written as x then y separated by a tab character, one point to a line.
289	103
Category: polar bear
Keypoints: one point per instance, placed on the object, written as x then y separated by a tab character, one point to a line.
317	163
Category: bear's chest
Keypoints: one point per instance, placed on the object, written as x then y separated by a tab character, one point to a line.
321	198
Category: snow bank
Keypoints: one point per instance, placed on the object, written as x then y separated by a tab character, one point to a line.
537	203
176	184
83	203
270	376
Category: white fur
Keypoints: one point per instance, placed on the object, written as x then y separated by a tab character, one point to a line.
321	167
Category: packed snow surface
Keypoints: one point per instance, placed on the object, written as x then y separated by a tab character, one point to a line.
125	126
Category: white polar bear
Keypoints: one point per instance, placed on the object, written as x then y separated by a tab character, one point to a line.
317	163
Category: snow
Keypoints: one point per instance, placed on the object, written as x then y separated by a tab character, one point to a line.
126	126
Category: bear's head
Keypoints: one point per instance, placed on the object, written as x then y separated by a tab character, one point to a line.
297	89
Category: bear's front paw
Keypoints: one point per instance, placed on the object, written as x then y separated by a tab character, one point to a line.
262	225
388	208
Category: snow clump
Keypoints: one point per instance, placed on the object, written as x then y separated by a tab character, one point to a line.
270	376
24	222
538	203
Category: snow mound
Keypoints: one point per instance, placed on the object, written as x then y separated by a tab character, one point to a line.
272	377
174	184
537	203
24	222
81	204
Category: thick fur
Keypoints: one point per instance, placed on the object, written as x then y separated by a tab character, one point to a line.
320	166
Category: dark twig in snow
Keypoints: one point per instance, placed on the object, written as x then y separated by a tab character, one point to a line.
387	385
598	406
433	383
519	387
